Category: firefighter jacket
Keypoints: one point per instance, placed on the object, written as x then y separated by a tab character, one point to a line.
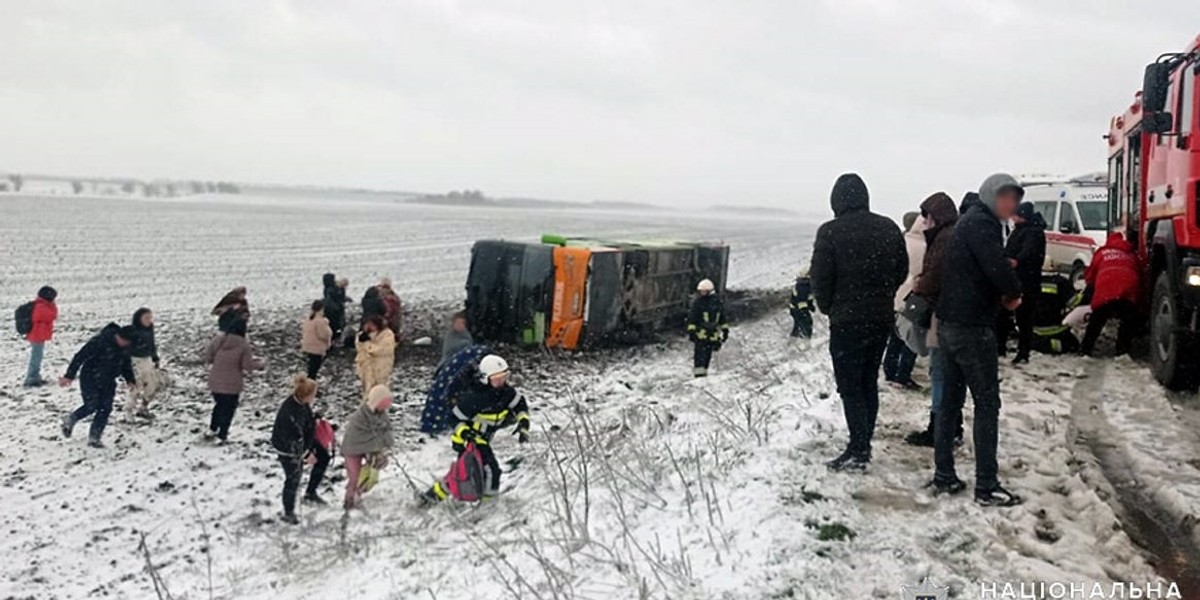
707	322
483	409
802	296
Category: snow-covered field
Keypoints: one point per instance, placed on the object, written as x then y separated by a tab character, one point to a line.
640	482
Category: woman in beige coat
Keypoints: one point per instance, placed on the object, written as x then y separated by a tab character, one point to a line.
376	348
316	337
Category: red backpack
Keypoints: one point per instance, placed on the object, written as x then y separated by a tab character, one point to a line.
323	435
465	481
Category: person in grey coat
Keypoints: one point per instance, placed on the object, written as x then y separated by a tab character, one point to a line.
367	441
456	339
229	357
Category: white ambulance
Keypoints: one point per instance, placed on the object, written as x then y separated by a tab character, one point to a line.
1076	214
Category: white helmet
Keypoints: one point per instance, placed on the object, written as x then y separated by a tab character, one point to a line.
491	366
705	285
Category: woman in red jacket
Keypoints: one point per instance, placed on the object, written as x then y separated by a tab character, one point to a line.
1116	289
44	314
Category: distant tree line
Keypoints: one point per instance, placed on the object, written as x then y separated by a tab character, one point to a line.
15	182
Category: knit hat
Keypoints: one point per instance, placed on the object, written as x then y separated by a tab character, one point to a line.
379	396
1026	211
128	333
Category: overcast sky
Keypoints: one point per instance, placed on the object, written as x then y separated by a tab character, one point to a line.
682	102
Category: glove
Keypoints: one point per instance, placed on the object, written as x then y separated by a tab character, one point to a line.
725	336
523	431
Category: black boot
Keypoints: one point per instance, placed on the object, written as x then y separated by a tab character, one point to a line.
849	462
923	439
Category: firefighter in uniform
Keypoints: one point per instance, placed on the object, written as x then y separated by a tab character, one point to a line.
483	409
707	327
801	307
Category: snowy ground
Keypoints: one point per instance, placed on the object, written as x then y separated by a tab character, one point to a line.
640	482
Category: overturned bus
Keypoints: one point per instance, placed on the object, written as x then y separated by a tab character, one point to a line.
576	292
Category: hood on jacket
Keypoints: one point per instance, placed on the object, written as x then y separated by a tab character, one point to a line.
849	195
969	199
940	208
993	185
329	280
1117	240
1028	212
137	318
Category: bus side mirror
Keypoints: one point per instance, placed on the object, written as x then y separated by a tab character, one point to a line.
1154	87
1158	122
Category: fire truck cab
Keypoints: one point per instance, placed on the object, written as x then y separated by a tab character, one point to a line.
1154	187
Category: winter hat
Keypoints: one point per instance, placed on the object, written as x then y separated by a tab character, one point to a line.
379	397
849	194
1027	211
128	333
47	293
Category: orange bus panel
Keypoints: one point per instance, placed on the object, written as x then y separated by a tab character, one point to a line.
570	290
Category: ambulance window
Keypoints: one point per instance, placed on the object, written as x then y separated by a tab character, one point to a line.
1049	211
1093	215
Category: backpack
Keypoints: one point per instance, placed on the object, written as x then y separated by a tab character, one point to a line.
24	318
465	481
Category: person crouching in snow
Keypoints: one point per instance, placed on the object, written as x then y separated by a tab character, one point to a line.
707	327
376	356
144	356
98	365
367	442
294	439
483	409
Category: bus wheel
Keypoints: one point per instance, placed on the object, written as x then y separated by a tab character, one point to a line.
1172	350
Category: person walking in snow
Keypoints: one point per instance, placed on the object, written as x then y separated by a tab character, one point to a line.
373	306
977	280
940	217
376	354
144	356
858	263
316	337
1116	287
899	359
233	307
801	307
294	439
456	338
1026	251
42	313
334	296
490	404
367	441
707	327
98	365
392	313
229	358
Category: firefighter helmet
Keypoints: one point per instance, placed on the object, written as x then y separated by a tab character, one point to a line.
491	366
705	285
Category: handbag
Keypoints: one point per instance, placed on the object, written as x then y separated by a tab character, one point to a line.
918	310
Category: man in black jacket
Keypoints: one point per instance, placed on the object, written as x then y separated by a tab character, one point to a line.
335	304
977	280
859	261
98	365
1026	251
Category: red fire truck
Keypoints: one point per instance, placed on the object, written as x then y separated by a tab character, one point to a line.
1154	198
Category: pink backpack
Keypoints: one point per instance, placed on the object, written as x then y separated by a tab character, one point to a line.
465	481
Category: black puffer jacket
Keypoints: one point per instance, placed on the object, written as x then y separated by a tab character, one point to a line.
294	427
144	345
859	259
1027	245
335	300
101	361
976	274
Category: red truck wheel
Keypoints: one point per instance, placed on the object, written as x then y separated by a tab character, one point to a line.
1172	349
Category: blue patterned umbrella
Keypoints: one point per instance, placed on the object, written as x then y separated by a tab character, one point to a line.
448	381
